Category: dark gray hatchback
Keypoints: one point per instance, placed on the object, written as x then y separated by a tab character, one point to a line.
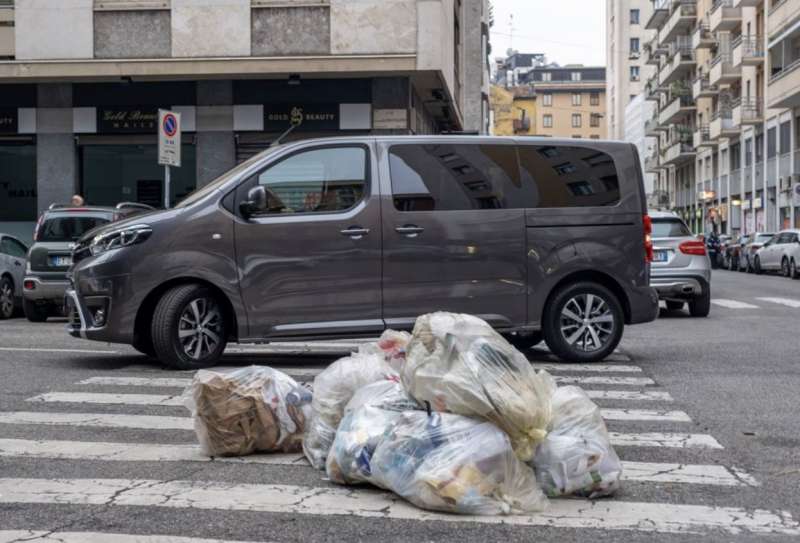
342	238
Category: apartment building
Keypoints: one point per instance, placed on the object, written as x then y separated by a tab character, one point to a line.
626	72
81	82
727	117
514	110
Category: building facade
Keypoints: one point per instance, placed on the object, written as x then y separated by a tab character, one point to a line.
637	112
626	70
81	82
727	118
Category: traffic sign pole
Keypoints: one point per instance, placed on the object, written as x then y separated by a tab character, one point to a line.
166	187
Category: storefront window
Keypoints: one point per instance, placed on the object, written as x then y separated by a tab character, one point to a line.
17	182
130	173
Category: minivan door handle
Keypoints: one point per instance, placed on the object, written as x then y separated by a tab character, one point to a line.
355	232
409	230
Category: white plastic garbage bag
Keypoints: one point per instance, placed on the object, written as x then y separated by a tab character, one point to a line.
392	345
451	463
458	364
253	409
577	458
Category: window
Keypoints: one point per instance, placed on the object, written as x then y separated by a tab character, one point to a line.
547	99
64	228
547	76
670	228
564	176
594	99
18	182
576	98
12	247
634	47
786	131
772	147
594	120
748	152
575	76
547	121
456	177
595	136
634	73
576	120
736	159
316	181
759	148
634	16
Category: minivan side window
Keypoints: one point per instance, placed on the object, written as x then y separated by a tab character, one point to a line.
564	176
451	177
323	180
12	247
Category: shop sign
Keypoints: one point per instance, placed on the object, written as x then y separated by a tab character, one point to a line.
746	204
127	120
757	203
278	118
8	120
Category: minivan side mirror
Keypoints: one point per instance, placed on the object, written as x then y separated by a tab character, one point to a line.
256	202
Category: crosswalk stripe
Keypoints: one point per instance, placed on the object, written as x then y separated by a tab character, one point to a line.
39	536
182	382
732	304
657	439
329	501
645	414
154	452
782	301
600	368
177	400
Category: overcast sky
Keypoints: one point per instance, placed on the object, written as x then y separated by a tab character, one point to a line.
567	31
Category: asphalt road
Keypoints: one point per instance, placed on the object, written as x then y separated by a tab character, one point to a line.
729	380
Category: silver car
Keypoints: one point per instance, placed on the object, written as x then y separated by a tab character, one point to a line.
747	255
12	271
681	269
781	253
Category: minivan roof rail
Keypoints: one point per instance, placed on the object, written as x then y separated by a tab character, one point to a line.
123	205
58	206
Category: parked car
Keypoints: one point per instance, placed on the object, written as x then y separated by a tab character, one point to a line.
681	270
748	254
345	237
781	253
733	250
724	241
12	270
50	256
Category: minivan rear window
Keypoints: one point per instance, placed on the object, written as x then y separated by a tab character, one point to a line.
68	228
670	228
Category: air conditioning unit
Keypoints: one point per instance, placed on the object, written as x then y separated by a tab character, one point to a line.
633	55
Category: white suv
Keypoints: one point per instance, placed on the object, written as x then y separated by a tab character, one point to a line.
782	253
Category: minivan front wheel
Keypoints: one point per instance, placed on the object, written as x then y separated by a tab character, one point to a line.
583	322
189	329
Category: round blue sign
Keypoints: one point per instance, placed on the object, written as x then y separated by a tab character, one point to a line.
170	124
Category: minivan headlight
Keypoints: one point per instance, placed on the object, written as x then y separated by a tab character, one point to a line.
124	237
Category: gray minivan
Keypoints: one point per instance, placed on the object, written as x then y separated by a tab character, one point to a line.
345	237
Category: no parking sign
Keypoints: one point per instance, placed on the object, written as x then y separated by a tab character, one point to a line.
169	138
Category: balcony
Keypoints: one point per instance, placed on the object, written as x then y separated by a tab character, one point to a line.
748	111
659	16
682	17
681	106
702	137
679	152
784	87
651	164
680	61
746	3
780	16
724	16
650	56
522	126
652	89
747	51
722	70
702	88
722	125
652	128
702	38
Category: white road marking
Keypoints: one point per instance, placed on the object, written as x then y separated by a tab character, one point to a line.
656	439
154	452
598	380
43	350
102	420
632	395
732	304
645	414
600	368
782	301
329	501
39	536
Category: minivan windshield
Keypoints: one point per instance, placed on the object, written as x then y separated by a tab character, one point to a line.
225	177
66	228
670	228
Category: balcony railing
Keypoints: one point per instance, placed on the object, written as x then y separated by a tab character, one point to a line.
752	110
747	50
724	16
702	88
522	125
783	86
722	69
682	16
702	38
702	136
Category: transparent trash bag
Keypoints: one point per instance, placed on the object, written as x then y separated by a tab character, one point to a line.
446	462
371	412
253	409
333	388
458	364
392	345
577	458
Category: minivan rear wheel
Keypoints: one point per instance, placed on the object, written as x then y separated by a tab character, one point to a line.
583	322
6	298
189	330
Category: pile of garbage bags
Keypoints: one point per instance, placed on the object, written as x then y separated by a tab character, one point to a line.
451	418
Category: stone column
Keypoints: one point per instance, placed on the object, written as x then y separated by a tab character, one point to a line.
216	147
56	157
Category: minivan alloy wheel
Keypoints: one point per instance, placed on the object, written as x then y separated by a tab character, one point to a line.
587	322
200	327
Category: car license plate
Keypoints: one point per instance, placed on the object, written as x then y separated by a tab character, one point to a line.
660	256
61	261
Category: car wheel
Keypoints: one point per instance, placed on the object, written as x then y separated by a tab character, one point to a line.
674	305
524	342
757	266
785	267
6	298
701	305
35	313
793	270
189	329
583	322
